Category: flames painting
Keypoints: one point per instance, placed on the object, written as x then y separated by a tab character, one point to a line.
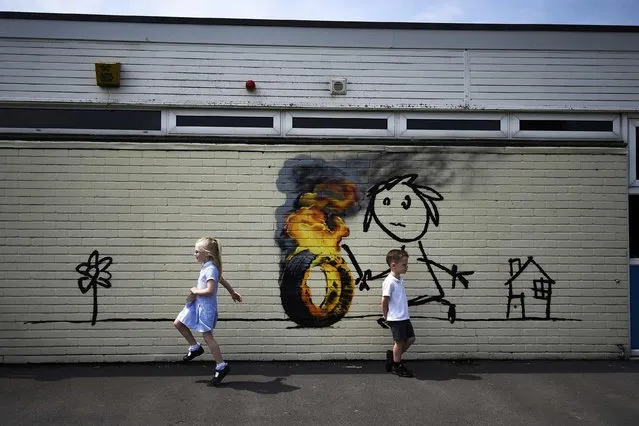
317	227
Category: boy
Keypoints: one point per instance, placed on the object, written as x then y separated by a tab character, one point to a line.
395	312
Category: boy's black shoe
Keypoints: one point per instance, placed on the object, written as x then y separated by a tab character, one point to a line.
401	371
389	361
219	375
193	354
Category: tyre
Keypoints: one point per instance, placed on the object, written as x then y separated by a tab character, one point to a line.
296	295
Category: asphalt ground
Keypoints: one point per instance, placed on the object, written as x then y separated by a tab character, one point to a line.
323	393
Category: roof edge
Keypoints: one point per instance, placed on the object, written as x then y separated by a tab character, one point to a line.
315	24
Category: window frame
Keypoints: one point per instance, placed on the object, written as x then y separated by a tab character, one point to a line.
517	133
396	126
404	132
173	129
389	132
86	131
633	181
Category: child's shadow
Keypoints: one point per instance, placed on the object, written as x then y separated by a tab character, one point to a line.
273	387
445	371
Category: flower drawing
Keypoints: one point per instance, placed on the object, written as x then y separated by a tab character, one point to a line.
94	272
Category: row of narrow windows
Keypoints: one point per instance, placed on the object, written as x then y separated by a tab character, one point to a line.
151	120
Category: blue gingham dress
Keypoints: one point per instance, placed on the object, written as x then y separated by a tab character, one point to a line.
201	314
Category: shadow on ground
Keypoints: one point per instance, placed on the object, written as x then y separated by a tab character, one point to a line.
427	370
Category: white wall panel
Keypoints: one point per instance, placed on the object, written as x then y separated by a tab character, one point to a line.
193	63
308	33
297	77
205	75
554	80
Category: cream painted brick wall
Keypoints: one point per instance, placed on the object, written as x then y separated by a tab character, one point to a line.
145	206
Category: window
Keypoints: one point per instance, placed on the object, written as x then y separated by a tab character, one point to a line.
633	225
566	126
542	289
400	125
224	122
339	124
633	197
453	125
79	120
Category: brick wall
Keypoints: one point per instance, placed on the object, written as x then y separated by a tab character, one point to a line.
561	211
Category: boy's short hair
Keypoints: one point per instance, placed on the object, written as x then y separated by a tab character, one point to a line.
395	255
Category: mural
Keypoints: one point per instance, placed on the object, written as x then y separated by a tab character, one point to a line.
312	227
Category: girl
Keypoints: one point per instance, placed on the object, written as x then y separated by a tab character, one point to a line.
200	311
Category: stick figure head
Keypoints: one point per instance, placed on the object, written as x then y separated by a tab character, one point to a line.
402	209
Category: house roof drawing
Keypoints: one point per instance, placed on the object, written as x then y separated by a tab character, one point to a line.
523	267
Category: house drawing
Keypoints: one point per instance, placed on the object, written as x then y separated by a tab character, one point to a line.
541	287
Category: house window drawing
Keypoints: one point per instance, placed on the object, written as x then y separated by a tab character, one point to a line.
540	289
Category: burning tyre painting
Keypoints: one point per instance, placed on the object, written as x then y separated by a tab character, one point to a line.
317	228
297	298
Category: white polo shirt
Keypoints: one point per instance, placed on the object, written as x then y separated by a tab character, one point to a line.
397	303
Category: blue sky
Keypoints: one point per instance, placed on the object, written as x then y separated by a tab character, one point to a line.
593	12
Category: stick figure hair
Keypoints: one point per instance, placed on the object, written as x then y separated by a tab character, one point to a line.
211	247
428	196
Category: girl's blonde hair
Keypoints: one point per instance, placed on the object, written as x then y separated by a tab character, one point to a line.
212	249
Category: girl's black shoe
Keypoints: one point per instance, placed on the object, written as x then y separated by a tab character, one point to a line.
219	375
193	354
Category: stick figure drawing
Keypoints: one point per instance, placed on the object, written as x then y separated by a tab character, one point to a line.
404	211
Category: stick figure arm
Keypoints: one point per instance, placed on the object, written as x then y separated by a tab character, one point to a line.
453	271
363	276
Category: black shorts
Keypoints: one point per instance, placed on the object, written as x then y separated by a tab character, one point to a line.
402	330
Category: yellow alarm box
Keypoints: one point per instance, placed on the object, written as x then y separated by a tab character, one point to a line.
107	75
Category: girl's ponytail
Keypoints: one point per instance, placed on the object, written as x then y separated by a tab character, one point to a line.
216	254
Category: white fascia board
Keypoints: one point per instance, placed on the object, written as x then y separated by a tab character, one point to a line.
207	31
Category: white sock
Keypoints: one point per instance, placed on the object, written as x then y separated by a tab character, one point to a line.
221	365
195	347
